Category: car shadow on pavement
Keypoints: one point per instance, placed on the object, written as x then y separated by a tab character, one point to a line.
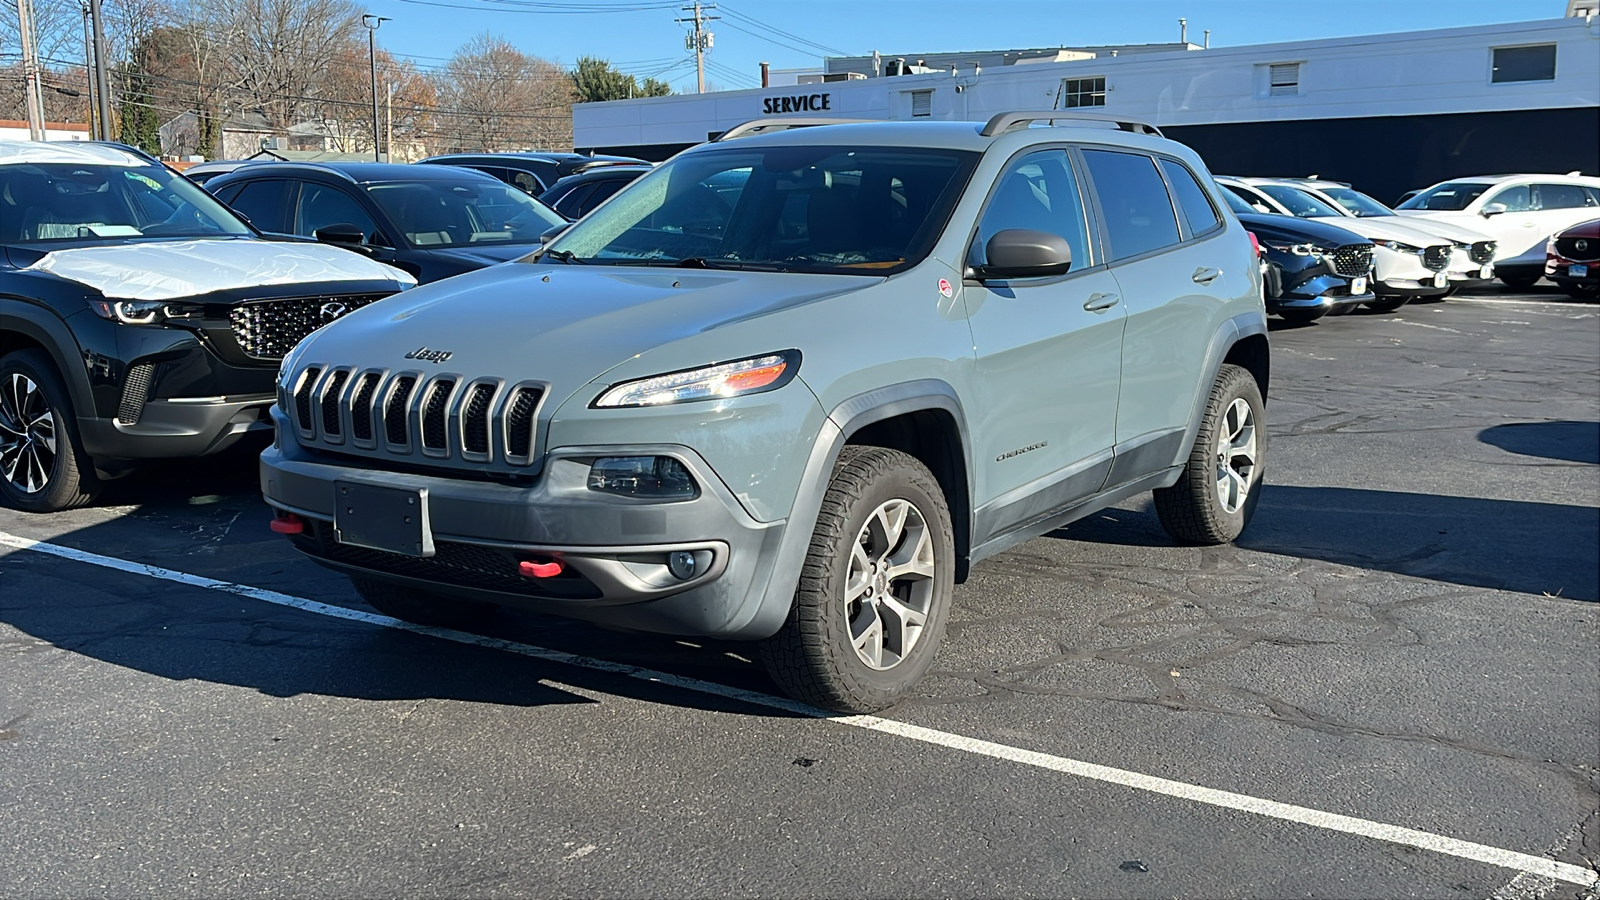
1565	440
1531	548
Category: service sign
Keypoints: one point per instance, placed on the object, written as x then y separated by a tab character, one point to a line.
772	106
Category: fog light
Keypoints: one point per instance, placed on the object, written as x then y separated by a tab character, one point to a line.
654	477
681	564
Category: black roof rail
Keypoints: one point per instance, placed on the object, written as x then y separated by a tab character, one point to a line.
1006	121
762	126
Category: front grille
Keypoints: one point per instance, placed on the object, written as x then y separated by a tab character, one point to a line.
135	392
1436	257
452	563
267	329
1568	247
442	417
1481	252
1353	260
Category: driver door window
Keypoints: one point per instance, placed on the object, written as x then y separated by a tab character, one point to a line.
1516	199
1039	193
322	205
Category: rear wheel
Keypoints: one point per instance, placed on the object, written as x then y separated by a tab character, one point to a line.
874	593
1386	305
1217	493
421	607
1518	282
1581	291
42	465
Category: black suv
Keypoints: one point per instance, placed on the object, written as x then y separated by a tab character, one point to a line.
534	173
431	221
574	195
139	318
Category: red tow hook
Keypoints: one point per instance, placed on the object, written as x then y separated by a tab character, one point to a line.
529	569
288	523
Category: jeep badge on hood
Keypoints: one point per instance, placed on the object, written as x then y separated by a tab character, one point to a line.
433	356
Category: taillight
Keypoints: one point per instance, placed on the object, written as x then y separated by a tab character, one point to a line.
1256	244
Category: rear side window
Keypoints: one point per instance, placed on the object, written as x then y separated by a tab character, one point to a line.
1192	199
1133	199
262	203
1562	196
1037	192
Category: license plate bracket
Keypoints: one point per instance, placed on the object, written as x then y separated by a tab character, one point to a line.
376	517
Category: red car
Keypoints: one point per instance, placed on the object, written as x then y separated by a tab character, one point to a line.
1572	260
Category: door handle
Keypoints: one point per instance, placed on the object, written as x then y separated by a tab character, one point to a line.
1101	302
1206	275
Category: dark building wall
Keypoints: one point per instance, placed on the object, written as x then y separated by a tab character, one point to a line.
1382	155
1386	156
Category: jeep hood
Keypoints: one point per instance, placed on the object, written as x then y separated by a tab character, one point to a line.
165	270
565	325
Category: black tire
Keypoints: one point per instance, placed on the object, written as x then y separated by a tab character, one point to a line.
1191	510
1386	305
1301	316
421	607
1581	291
1519	282
68	479
813	657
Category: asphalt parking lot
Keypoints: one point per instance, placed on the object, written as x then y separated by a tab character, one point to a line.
1389	688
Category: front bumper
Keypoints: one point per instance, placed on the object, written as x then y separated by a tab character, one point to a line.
1559	270
1463	272
175	428
613	549
1326	291
1401	274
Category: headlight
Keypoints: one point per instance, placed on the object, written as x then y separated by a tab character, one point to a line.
144	312
1297	249
746	376
1398	246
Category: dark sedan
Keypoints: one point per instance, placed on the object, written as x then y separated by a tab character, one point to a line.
534	173
1312	269
432	221
574	195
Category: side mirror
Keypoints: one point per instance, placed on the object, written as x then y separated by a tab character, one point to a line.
1492	209
553	232
342	233
1025	253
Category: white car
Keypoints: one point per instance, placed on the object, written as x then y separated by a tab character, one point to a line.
1472	253
1520	212
1407	262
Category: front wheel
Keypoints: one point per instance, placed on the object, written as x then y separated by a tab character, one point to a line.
874	593
1386	305
1217	493
42	466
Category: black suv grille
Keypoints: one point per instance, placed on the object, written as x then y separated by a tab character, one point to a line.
1436	257
1481	252
1568	247
1353	260
267	329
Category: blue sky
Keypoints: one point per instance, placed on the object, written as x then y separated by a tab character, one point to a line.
641	36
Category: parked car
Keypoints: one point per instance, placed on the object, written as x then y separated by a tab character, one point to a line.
685	416
1407	263
432	221
574	195
139	318
1572	260
1472	252
1309	269
200	173
534	173
1520	212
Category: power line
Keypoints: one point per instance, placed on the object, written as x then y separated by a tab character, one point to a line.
749	20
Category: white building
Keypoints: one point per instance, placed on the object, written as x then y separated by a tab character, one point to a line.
17	130
1387	112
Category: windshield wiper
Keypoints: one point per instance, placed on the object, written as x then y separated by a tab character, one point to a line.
563	256
700	262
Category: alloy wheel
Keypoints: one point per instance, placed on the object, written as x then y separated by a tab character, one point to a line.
27	435
1236	455
889	585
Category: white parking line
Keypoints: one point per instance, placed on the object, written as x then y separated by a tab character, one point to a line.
1395	834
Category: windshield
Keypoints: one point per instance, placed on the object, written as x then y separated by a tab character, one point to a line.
1298	202
1357	203
78	202
445	213
1449	196
843	210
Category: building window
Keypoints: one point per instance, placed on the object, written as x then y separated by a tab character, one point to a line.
1536	63
921	104
1076	92
1283	79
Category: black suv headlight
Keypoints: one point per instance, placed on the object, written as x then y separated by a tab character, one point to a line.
145	312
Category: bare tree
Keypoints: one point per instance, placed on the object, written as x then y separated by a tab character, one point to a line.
281	52
493	96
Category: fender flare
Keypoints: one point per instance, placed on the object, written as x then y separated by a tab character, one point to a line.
1230	332
845	419
44	327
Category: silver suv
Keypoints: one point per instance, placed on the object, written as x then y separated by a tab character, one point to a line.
788	387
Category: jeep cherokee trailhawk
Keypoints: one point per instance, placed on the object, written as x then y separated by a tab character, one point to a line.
788	387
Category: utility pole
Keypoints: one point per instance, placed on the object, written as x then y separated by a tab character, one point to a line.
388	121
699	41
102	82
30	73
372	22
88	75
